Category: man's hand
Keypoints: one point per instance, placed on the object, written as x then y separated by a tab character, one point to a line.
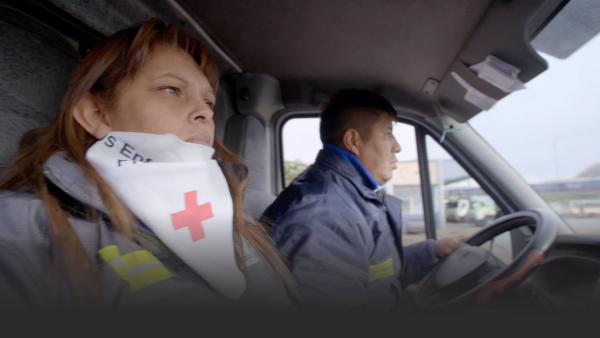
445	246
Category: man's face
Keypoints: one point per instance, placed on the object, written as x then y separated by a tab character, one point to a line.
378	152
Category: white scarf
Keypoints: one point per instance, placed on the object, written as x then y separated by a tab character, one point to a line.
179	192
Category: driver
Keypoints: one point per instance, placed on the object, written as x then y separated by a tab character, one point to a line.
336	226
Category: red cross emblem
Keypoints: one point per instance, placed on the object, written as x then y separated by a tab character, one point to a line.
192	216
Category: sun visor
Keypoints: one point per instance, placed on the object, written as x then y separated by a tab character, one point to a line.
257	95
466	94
497	59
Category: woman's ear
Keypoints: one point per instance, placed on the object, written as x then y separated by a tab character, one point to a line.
351	141
89	115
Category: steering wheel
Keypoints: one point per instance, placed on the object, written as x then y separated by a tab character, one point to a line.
473	271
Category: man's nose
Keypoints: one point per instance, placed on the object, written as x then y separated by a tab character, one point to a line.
397	148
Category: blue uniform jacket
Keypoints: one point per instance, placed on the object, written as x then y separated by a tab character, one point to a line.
342	240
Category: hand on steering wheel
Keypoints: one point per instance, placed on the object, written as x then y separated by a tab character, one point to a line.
473	271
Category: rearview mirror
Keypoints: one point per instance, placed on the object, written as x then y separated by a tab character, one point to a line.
577	23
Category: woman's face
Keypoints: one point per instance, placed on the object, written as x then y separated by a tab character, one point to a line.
169	94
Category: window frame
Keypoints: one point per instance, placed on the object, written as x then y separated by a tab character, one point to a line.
279	121
423	128
425	180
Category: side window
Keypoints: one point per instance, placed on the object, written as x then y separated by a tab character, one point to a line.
461	206
300	145
406	184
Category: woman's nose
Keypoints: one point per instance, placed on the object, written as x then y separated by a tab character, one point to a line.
202	112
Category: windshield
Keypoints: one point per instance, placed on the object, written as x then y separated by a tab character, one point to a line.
549	132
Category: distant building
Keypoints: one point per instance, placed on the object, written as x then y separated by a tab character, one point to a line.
591	171
451	184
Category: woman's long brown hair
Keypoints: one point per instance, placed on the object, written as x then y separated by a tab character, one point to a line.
114	60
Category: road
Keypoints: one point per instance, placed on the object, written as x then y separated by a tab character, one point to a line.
581	225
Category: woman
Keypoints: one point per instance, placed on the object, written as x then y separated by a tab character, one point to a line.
121	203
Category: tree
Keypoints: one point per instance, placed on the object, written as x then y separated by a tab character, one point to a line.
293	169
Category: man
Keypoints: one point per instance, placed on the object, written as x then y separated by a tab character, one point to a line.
338	229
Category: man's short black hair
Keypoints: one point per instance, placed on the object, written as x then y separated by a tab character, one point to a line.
352	108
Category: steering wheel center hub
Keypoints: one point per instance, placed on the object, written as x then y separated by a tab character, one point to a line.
461	264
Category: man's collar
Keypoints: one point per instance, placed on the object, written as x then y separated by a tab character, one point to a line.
336	162
372	182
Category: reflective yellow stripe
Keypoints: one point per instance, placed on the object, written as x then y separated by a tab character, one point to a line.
138	257
382	270
149	277
109	252
139	268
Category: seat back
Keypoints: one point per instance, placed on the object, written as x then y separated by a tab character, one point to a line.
35	65
257	97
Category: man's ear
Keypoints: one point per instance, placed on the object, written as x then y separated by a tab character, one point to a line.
88	113
351	141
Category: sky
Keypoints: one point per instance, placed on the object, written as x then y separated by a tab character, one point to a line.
548	131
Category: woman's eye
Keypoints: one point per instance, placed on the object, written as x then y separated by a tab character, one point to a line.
170	90
211	104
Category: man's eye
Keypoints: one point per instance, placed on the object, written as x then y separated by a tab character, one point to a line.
211	104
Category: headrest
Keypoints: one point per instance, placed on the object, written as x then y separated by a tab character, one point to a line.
246	136
256	95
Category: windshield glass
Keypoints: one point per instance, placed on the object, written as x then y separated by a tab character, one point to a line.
549	132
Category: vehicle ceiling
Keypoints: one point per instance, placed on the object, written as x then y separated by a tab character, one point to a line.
337	43
391	46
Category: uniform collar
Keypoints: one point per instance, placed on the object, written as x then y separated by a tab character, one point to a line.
356	174
370	180
68	177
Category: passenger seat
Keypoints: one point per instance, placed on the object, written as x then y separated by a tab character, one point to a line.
35	65
257	97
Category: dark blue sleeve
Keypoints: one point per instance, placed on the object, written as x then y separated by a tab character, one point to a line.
326	255
419	259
